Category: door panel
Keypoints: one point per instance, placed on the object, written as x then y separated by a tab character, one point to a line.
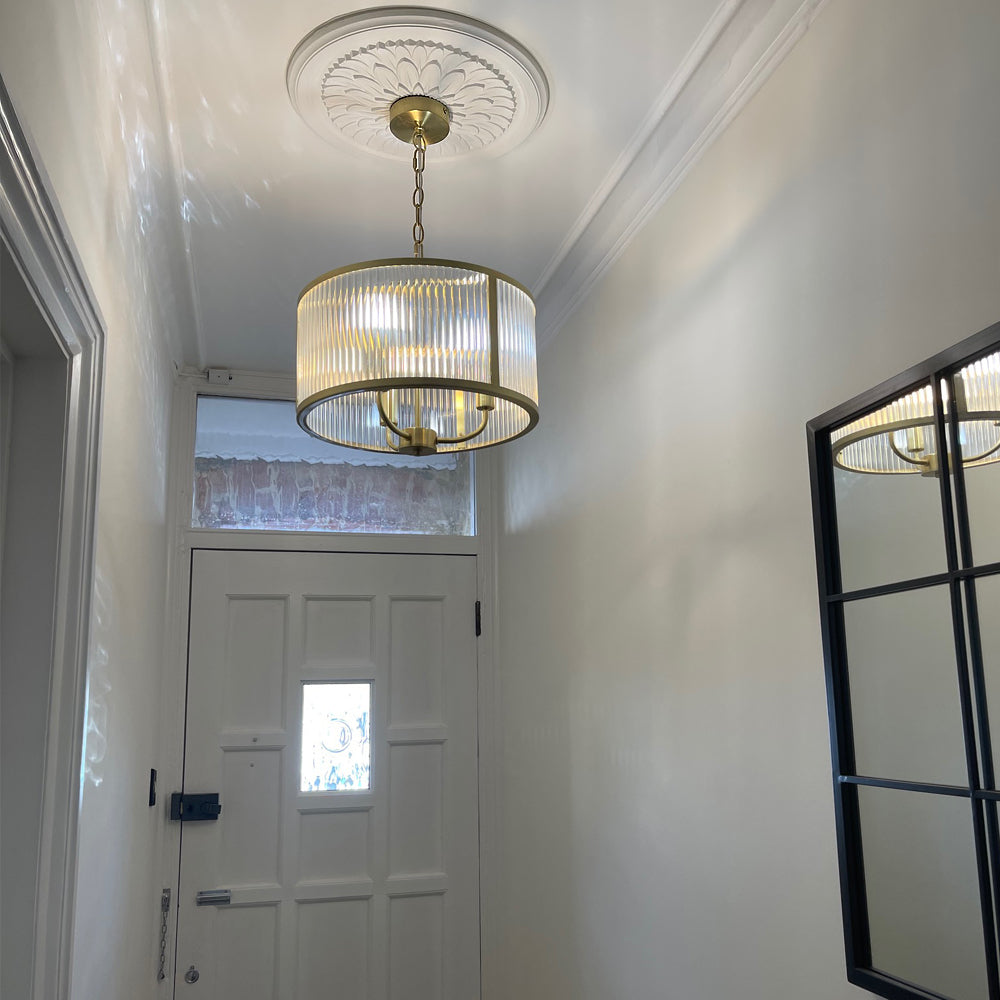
366	885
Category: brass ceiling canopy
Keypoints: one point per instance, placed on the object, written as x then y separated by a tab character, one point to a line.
416	355
419	112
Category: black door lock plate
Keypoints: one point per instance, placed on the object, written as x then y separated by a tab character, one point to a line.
195	808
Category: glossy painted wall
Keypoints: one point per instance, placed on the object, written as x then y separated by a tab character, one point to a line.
667	824
80	75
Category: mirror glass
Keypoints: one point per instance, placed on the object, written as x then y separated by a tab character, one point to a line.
904	687
988	602
923	894
888	495
976	391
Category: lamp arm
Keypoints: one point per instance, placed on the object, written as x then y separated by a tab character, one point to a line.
904	458
389	425
969	459
468	437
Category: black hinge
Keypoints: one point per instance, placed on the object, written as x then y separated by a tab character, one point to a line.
204	806
479	618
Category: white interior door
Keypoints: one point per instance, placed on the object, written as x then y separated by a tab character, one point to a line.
342	890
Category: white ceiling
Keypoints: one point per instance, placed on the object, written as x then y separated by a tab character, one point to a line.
637	89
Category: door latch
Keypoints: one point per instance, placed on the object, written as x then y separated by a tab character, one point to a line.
189	808
213	897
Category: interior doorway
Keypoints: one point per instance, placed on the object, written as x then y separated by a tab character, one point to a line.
35	385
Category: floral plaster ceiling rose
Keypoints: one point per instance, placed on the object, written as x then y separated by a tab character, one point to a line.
344	75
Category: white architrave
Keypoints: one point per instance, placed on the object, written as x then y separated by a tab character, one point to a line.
35	235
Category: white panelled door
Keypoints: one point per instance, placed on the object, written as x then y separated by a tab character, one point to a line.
343	882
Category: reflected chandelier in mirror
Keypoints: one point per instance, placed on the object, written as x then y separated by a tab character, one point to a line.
899	437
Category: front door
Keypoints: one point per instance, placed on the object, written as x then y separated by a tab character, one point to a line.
332	704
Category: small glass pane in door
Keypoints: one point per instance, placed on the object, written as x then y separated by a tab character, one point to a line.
336	745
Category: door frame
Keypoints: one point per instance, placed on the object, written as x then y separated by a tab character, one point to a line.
36	236
190	384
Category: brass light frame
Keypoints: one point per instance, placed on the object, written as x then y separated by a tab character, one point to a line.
492	388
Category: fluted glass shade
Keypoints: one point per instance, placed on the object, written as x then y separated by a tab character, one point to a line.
394	345
901	436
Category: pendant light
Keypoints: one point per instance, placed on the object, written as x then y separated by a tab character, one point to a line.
416	355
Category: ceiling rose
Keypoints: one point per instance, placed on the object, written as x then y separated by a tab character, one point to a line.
344	75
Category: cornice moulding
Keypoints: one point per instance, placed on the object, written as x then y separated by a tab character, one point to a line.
742	44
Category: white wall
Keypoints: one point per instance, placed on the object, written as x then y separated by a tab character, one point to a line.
667	811
80	75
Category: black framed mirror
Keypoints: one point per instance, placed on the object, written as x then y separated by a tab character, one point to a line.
906	509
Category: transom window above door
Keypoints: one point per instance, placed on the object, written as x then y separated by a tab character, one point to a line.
256	469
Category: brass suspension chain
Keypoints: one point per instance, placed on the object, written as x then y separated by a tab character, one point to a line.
419	154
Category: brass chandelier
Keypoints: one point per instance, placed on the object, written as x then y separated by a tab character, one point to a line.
901	437
416	355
